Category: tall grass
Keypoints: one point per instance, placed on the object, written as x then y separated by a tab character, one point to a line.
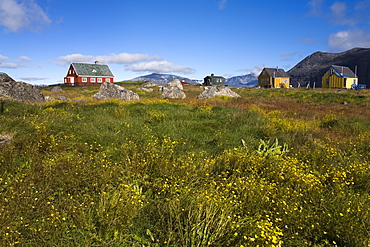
177	173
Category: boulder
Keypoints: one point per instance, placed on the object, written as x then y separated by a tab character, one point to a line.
20	91
109	90
56	89
213	91
173	90
149	84
5	78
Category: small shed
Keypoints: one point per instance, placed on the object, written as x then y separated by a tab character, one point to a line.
339	77
81	74
214	80
274	77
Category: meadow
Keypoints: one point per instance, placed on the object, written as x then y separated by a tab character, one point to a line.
276	167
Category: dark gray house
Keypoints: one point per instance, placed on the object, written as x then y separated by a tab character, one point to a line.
214	80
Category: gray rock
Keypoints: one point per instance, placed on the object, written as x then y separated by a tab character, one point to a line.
20	91
61	97
213	91
56	89
149	84
173	90
4	140
5	78
109	90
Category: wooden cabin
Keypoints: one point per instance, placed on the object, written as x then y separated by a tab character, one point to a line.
84	74
273	77
214	80
339	77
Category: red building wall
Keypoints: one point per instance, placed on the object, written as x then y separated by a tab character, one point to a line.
84	80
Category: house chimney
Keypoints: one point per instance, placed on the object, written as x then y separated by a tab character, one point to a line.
96	62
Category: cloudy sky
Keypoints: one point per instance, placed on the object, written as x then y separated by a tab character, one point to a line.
191	38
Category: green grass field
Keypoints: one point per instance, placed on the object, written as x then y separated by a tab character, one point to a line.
276	167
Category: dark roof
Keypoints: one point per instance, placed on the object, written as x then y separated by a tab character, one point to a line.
276	72
213	76
343	71
92	69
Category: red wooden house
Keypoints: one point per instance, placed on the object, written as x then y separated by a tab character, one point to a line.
81	74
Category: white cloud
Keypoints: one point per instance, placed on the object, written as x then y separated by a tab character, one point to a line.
33	78
122	58
5	62
256	70
348	39
159	67
289	55
133	62
222	4
307	41
18	14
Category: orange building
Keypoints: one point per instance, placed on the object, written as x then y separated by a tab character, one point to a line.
273	77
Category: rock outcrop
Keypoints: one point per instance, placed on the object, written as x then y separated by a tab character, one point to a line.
173	90
213	91
19	90
109	90
5	78
149	84
311	69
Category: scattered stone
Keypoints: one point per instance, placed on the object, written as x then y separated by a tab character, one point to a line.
345	103
61	97
56	89
20	91
4	140
79	100
213	91
173	90
149	84
109	90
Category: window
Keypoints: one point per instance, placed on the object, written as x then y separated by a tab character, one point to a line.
100	80
262	80
107	79
92	80
84	79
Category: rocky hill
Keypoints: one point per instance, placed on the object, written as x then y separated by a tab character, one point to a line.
312	68
249	80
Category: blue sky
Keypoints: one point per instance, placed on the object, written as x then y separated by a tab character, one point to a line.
191	38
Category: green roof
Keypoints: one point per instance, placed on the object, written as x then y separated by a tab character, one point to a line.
92	69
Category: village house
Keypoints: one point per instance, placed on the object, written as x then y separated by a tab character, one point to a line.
81	74
273	77
214	80
339	77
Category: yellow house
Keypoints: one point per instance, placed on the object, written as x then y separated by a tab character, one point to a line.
273	77
339	77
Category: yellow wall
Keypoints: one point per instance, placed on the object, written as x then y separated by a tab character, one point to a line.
282	82
277	82
264	80
336	82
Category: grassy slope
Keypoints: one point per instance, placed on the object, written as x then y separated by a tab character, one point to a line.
175	172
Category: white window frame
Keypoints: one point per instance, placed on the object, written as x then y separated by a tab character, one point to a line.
84	79
100	80
107	79
92	80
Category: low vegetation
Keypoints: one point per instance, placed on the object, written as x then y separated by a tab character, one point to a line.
276	167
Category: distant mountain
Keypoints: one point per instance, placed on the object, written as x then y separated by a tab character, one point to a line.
249	80
162	79
312	68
